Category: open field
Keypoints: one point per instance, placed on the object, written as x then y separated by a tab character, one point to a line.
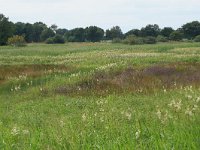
100	96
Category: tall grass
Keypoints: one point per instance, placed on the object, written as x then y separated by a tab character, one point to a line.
100	96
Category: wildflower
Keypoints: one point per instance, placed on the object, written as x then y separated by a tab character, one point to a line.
189	97
128	115
159	114
62	123
198	99
79	88
101	109
16	88
25	132
194	107
15	131
95	114
84	117
177	105
101	119
189	112
137	134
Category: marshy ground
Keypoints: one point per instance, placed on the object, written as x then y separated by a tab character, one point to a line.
100	96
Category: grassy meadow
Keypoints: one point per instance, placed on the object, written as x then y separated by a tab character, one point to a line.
100	96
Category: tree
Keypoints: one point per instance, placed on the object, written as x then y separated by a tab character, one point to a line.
176	36
54	27
57	39
166	31
191	29
38	27
6	29
135	32
75	35
94	34
28	31
150	30
114	32
19	28
47	33
61	31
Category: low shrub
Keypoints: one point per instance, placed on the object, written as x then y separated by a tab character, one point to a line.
161	38
16	41
116	40
197	38
50	40
176	36
133	40
149	40
57	39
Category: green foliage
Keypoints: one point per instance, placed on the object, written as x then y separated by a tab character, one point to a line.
50	40
150	30
150	40
176	36
6	29
16	41
37	29
57	39
191	29
47	33
133	40
197	38
166	31
19	28
116	40
75	35
61	31
94	34
161	38
135	32
114	32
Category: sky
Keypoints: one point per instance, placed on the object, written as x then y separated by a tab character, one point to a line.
128	14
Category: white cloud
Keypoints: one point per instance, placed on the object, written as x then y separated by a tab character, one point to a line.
105	13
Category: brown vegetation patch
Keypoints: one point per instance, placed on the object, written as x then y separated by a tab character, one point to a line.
139	80
9	71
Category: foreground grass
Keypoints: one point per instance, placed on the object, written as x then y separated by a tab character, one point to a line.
34	116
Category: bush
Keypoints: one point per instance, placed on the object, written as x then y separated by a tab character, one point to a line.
133	40
176	36
161	38
197	38
16	41
50	41
116	40
57	39
149	40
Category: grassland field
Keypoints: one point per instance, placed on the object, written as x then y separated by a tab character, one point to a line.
100	96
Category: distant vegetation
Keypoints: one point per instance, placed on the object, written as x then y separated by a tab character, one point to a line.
16	41
40	32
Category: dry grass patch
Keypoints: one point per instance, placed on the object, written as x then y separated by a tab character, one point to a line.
10	71
156	77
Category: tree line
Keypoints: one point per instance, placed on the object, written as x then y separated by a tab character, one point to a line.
40	32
